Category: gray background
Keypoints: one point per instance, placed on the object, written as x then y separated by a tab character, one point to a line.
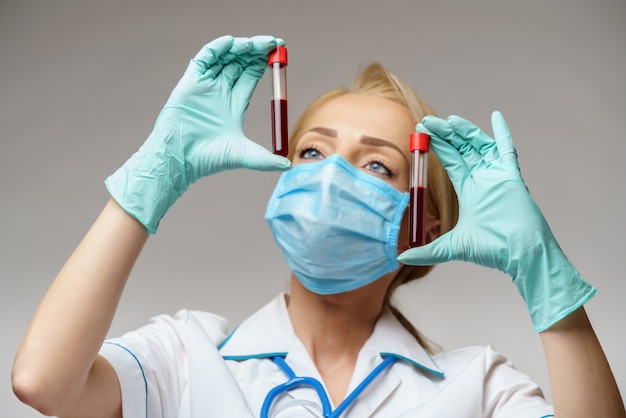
81	83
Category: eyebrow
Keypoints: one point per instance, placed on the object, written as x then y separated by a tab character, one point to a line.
378	142
365	139
324	131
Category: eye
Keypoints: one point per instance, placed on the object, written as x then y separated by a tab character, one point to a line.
310	153
379	168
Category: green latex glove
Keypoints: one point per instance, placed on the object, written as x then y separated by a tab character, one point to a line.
199	132
499	225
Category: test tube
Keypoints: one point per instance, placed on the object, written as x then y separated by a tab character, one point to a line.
277	61
419	146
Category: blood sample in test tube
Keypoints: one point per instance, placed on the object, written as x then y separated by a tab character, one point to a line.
419	148
277	62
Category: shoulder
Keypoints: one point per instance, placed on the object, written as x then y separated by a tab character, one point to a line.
479	359
489	370
155	363
174	332
482	380
186	321
466	354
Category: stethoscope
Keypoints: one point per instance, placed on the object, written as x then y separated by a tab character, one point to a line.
294	381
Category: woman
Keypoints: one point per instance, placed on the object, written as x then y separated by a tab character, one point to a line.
349	155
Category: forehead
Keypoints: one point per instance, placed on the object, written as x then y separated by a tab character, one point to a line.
365	115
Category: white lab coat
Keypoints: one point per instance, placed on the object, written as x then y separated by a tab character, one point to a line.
188	366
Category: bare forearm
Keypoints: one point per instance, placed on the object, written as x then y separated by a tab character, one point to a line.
581	379
67	330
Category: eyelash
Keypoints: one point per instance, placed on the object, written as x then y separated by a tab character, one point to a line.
388	172
372	160
306	149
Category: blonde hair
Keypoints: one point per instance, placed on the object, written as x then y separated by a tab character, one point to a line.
442	204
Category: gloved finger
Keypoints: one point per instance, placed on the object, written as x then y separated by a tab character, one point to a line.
436	252
475	137
210	54
247	82
263	44
444	130
240	46
239	52
230	74
504	142
213	70
452	162
448	155
259	158
245	50
253	63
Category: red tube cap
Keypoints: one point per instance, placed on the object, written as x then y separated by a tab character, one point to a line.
419	141
278	54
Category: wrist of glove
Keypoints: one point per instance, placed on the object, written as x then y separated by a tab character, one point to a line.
153	178
500	225
199	132
550	285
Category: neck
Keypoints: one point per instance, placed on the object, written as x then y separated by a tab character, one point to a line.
335	326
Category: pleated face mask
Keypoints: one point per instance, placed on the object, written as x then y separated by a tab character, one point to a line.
336	226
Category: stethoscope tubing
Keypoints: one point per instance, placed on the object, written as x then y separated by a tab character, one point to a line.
294	381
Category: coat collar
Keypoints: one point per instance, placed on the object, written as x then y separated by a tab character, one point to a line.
269	333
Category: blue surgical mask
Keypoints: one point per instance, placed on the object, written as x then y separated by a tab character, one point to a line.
337	226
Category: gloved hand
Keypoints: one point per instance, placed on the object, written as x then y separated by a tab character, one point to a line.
499	225
199	132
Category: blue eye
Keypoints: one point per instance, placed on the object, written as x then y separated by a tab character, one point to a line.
310	153
379	168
